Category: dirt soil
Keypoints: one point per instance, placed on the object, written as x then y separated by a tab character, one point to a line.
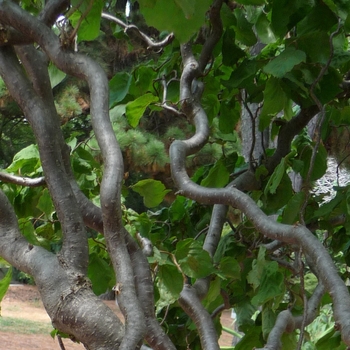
23	302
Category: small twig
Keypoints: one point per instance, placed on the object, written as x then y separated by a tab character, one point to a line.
22	181
305	301
60	342
319	123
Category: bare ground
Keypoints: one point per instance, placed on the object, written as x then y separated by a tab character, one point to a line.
23	302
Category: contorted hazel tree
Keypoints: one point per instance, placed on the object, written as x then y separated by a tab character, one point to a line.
236	233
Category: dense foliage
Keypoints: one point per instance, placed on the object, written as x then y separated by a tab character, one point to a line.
177	158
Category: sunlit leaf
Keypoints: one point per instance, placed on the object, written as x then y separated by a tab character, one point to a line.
152	191
194	261
56	75
181	17
4	284
134	110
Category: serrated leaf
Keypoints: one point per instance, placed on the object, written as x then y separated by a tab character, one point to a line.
270	285
118	88
194	261
218	176
134	110
152	191
285	62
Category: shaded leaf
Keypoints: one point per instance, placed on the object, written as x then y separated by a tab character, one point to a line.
169	283
218	176
271	284
285	62
292	210
100	273
118	87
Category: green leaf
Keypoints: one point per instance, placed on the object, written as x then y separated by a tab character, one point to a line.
245	72
228	118
231	53
284	191
118	88
251	2
289	341
230	268
169	283
275	178
218	176
45	203
143	79
316	46
152	191
89	28
134	110
56	75
285	62
275	100
211	106
292	210
194	261
251	339
271	284
282	12
320	164
268	319
254	276
264	30
4	284
244	29
178	209
100	273
181	17
27	160
27	229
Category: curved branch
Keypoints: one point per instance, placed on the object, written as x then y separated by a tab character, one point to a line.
130	28
46	126
190	303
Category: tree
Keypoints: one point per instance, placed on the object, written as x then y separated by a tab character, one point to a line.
236	233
